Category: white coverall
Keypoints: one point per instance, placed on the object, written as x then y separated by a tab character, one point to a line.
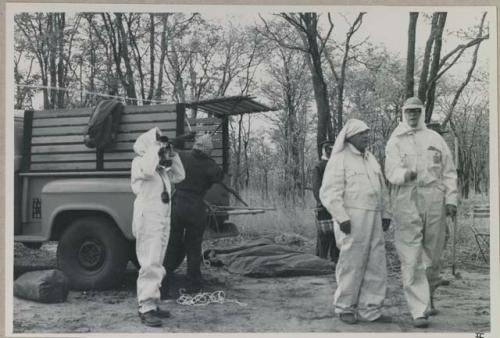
151	220
419	206
353	189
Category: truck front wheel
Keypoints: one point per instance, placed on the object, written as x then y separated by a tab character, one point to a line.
93	254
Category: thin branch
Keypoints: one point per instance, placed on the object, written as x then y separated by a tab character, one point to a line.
276	38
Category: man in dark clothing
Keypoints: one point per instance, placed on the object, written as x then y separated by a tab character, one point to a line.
325	242
189	214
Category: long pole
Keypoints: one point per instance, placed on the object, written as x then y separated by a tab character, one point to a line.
454	220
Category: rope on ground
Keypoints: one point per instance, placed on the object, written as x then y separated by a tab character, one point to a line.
206	298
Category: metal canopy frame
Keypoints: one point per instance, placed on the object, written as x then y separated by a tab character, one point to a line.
230	105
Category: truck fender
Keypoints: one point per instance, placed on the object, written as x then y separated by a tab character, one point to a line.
90	207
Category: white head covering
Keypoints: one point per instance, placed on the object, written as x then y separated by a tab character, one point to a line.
204	144
351	128
404	127
146	140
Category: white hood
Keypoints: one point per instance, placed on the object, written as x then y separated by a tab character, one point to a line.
146	140
403	127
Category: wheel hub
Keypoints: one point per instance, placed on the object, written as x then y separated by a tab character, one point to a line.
91	254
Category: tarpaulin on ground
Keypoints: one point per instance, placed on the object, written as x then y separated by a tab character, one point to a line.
265	258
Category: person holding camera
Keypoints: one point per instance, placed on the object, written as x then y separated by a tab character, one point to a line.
154	168
189	215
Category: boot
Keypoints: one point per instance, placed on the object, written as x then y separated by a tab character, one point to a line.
149	319
421	322
161	313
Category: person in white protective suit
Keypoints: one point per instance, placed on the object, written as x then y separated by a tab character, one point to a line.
354	193
420	168
154	168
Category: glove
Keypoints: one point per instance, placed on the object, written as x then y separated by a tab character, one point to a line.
386	223
451	210
410	175
345	227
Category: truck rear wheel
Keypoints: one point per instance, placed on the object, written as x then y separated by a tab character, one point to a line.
93	254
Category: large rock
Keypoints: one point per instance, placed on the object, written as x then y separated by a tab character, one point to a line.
45	286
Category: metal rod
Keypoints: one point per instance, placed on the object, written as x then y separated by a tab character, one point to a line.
454	244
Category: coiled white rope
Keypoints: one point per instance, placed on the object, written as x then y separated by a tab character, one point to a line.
206	298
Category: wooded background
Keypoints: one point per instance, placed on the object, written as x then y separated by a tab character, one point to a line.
291	61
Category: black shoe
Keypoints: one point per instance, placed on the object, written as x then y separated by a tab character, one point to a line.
194	286
160	313
150	319
348	318
421	322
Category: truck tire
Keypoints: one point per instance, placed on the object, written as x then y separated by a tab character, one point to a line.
93	254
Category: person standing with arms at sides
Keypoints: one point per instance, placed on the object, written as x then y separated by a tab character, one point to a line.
325	242
420	168
354	193
189	215
154	168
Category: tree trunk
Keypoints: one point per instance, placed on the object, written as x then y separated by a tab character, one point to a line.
52	50
319	84
128	81
61	78
152	51
436	55
410	56
422	87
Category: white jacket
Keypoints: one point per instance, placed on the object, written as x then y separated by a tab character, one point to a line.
353	180
424	151
146	181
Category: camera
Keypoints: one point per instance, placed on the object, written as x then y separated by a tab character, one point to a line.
164	160
165	197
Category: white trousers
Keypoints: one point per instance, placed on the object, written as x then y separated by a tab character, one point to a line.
420	229
361	270
151	245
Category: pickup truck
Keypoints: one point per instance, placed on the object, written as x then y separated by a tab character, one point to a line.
82	198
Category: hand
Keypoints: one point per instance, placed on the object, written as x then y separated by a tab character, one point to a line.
451	210
410	175
345	227
386	223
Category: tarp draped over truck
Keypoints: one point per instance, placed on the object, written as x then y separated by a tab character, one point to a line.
103	124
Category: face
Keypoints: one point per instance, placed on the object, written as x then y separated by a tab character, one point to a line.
412	116
360	141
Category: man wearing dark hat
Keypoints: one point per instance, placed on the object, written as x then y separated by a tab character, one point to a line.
189	214
325	242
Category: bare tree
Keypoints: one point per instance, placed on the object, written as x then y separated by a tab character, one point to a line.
410	64
306	25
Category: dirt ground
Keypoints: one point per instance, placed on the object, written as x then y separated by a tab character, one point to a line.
294	304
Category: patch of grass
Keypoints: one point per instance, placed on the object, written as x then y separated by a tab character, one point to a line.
289	217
